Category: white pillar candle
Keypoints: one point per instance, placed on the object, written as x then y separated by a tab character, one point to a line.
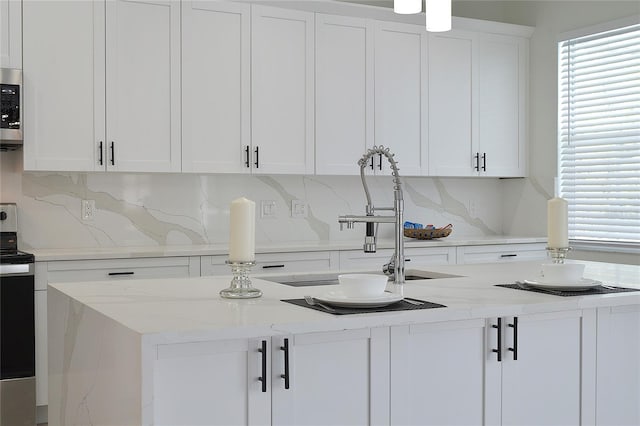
557	223
242	240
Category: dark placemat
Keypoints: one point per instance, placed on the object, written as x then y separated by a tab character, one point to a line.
594	290
401	305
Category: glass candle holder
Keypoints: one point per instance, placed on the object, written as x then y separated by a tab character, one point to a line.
558	254
240	287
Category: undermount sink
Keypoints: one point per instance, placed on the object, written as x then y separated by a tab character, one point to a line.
303	280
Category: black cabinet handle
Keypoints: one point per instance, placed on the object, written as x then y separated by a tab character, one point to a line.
477	158
380	163
372	168
509	255
499	350
263	375
285	376
514	349
113	154
100	161
257	162
484	161
272	266
111	274
246	153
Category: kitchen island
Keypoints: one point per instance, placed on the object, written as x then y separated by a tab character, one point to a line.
172	352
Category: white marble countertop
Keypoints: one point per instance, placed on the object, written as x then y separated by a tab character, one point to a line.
47	255
190	309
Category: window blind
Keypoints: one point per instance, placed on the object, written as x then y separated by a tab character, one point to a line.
599	135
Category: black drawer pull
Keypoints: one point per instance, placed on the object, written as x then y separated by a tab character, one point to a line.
272	266
484	162
477	158
100	161
121	273
514	349
263	375
285	376
246	152
509	255
257	151
113	154
499	350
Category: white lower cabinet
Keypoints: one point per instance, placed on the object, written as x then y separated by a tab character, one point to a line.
438	373
490	372
328	378
414	258
305	261
501	253
618	366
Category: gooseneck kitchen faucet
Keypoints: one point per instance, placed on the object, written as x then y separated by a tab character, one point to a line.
395	267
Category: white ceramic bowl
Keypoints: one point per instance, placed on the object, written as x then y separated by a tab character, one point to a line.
561	273
362	285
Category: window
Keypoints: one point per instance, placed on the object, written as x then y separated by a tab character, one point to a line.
599	134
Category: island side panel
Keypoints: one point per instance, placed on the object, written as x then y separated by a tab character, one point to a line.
94	366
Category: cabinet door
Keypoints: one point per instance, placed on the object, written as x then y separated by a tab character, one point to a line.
502	80
548	382
344	93
282	67
439	373
618	368
400	95
280	263
118	269
501	253
415	257
11	34
143	85
64	93
212	383
216	86
452	104
335	378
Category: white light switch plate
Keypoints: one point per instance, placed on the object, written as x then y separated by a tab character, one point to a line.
268	209
298	209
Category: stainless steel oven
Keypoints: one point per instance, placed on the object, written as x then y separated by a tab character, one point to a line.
10	109
17	326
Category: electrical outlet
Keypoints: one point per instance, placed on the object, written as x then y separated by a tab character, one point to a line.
298	209
268	209
88	209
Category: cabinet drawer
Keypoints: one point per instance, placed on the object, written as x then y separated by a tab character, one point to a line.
501	253
97	270
312	261
414	256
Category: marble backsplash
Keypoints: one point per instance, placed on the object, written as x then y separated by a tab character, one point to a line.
178	209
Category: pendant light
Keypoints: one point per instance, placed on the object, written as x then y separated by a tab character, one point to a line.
406	7
438	12
438	15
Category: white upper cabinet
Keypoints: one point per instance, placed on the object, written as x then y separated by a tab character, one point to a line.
115	63
143	85
282	92
344	93
477	104
502	77
64	94
452	119
216	87
400	96
10	34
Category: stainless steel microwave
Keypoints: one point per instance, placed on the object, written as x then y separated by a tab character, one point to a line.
11	109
